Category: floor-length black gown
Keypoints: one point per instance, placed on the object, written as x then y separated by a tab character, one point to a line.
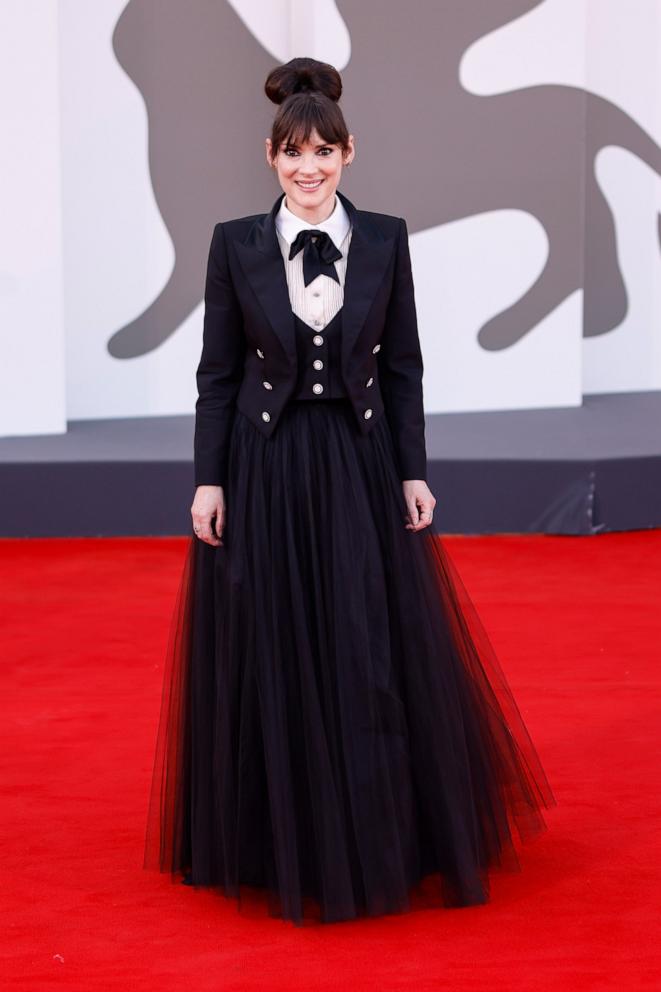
335	731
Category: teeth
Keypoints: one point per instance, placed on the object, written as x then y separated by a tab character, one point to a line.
309	185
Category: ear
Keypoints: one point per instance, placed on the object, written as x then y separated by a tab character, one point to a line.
268	145
350	155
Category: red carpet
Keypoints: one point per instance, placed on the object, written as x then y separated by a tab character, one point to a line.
577	624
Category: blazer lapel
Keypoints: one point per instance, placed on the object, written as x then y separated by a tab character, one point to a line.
369	253
264	268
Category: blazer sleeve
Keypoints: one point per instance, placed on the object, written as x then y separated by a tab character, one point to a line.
401	367
220	369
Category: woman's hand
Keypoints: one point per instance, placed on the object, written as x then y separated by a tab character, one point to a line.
420	503
209	502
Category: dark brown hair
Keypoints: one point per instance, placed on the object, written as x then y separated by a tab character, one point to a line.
307	92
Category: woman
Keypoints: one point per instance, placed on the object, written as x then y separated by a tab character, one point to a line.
335	729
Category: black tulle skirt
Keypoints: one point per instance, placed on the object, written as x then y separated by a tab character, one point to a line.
336	735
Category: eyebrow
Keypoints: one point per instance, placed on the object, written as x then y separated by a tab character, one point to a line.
292	144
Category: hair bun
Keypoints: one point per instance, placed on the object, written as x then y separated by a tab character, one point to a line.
301	76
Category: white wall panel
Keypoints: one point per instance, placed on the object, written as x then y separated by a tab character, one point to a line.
32	370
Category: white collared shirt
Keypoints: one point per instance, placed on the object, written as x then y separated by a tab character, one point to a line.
319	301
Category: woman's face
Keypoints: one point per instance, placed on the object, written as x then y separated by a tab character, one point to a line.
309	173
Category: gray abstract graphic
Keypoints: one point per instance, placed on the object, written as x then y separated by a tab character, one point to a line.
426	148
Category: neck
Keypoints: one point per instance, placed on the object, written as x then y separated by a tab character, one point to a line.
316	214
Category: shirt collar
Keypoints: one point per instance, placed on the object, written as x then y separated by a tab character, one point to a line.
336	226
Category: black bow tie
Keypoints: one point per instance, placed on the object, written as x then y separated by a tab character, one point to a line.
319	255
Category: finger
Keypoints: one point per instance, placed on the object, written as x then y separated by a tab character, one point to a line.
412	508
202	527
208	533
220	523
209	537
425	516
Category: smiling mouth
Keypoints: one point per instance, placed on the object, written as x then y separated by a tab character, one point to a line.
308	186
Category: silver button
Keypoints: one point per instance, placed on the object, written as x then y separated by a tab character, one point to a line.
377	347
316	293
260	352
267	385
367	414
317	339
318	364
317	388
369	381
266	415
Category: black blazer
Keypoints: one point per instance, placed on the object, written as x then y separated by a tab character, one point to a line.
249	337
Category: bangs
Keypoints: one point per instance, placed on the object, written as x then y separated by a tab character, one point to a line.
303	116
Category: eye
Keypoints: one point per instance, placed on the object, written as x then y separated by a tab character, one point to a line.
324	152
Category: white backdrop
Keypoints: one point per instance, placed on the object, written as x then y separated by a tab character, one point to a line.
32	362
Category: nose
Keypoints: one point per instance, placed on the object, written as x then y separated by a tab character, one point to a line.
308	167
